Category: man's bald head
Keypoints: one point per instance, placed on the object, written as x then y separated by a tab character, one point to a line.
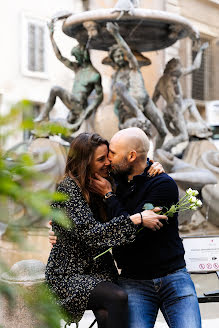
132	139
128	152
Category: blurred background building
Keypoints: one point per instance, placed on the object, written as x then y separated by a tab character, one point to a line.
29	67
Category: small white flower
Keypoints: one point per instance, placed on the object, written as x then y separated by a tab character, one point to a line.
193	207
195	192
189	191
198	203
192	192
192	200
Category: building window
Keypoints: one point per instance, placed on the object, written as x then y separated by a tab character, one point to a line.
202	77
34	48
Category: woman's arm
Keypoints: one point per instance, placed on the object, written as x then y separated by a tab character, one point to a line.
84	227
120	230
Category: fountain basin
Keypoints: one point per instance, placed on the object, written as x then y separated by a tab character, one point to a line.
144	30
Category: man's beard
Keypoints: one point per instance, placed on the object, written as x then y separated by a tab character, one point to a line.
123	170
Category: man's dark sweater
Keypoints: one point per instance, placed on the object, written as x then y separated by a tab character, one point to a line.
153	254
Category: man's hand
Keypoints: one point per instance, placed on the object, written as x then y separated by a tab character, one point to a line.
151	220
156	168
112	28
52	237
100	185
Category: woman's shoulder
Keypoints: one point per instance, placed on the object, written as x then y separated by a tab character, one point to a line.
68	185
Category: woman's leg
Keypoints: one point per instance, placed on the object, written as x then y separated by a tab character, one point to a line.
101	316
109	303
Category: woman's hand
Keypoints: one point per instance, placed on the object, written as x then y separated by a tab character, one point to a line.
99	185
156	168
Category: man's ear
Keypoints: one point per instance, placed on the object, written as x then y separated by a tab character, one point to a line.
132	156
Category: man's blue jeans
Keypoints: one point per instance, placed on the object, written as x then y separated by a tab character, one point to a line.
174	294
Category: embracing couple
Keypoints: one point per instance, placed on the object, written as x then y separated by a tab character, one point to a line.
107	211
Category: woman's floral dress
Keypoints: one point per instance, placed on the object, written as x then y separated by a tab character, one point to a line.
71	271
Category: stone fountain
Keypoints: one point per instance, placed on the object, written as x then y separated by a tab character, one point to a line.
136	30
132	30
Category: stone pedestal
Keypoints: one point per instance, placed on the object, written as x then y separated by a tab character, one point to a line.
25	277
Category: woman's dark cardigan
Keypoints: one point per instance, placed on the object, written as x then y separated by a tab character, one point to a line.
71	271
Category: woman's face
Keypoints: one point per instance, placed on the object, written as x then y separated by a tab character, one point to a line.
100	163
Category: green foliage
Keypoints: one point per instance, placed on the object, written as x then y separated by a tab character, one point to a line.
17	175
8	292
48	128
45	308
62	220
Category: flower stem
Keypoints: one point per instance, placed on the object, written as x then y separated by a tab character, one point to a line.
108	250
182	199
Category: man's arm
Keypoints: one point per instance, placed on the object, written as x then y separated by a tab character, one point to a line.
83	225
197	61
102	187
114	30
73	66
162	192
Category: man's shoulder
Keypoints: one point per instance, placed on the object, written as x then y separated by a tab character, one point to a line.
160	180
165	177
160	189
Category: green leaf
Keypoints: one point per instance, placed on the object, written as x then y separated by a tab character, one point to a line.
27	124
61	219
170	215
59	197
172	209
148	206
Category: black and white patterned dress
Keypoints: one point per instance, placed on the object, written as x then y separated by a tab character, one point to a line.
71	271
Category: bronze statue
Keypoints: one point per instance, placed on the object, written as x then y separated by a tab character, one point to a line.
87	79
133	104
169	88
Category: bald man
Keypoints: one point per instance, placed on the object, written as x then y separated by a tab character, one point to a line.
152	267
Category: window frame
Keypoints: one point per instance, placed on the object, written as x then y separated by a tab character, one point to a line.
207	71
26	19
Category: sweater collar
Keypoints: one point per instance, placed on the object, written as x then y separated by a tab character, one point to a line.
124	180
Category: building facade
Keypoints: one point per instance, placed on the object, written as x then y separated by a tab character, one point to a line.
28	65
